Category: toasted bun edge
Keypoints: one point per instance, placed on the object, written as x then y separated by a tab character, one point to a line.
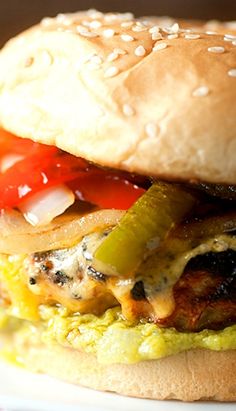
189	376
168	112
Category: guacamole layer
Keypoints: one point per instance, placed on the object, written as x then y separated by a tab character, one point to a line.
111	338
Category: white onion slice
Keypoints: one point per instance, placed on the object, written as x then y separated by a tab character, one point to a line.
20	237
8	161
41	208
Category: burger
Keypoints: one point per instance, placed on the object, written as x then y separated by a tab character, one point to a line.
117	198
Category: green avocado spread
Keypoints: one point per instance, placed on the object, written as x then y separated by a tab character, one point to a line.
115	340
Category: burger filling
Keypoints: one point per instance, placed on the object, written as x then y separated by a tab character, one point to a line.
92	257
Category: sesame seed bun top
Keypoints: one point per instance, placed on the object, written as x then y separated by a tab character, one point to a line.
125	93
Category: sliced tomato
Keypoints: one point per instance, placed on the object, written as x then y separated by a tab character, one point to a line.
45	166
35	173
106	190
12	144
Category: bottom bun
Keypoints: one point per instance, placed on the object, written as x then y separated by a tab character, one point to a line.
188	376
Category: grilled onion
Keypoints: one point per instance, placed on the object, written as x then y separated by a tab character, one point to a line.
18	236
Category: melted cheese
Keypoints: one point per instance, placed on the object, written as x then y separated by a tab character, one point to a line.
169	266
24	303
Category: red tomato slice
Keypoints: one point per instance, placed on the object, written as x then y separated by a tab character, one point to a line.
11	144
45	166
106	190
35	173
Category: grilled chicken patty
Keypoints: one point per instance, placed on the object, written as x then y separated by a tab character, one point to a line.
205	294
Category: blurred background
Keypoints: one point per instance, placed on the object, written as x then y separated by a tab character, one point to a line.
15	15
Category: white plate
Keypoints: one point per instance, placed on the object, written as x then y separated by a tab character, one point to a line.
23	391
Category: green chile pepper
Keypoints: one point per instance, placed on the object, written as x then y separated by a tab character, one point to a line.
142	229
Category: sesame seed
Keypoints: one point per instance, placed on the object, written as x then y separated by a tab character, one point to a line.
119	16
127	23
87	58
142	23
93	66
216	49
119	51
172	36
140	51
47	21
108	33
201	91
229	37
67	22
151	130
139	28
95	14
126	16
154	29
110	17
167	30
159	46
128	110
88	34
112	57
95	59
175	28
111	71
234	43
95	24
211	33
79	28
192	36
86	23
146	23
156	36
166	21
61	18
186	30
127	37
232	72
91	12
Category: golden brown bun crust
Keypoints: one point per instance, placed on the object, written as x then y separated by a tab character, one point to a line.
141	113
203	26
189	376
225	27
212	26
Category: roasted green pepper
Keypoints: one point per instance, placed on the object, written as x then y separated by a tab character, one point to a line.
142	229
